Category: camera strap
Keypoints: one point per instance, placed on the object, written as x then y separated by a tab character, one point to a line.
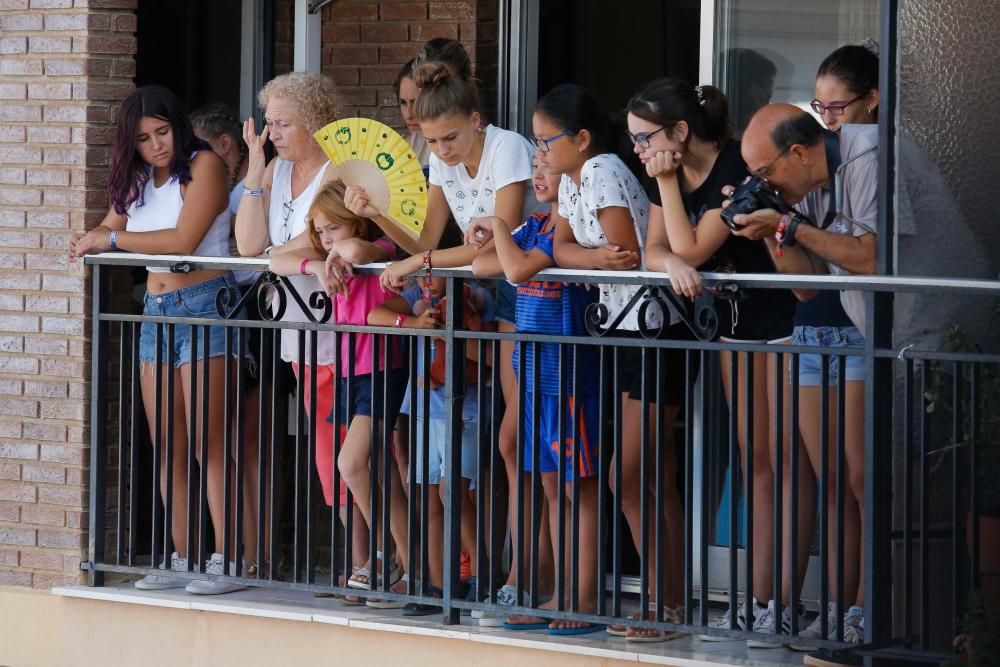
833	161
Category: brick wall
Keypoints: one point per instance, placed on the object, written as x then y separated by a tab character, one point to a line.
366	42
65	65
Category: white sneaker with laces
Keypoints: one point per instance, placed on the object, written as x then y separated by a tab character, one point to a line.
159	582
723	622
766	625
214	566
506	597
804	642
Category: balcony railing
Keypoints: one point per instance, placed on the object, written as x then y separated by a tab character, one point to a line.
930	441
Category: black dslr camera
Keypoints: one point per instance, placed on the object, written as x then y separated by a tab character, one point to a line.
753	194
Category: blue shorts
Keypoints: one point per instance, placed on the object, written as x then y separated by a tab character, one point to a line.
438	451
363	399
506	301
196	300
586	459
810	365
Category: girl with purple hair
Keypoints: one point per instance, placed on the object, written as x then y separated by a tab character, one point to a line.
169	195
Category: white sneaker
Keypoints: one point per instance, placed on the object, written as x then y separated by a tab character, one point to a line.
158	582
214	566
854	625
765	625
506	597
723	622
804	642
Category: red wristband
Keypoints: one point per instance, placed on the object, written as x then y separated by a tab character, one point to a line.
302	267
779	233
399	320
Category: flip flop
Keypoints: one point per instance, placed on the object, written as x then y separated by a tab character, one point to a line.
585	630
543	625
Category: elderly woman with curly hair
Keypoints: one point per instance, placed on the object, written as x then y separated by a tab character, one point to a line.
271	219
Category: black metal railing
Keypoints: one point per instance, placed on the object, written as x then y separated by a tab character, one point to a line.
935	422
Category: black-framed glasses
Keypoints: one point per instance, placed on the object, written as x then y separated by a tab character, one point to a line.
287	209
834	109
642	139
543	144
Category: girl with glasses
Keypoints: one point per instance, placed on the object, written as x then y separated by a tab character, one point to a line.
683	136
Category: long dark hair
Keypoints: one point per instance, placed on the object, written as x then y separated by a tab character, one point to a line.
129	172
670	100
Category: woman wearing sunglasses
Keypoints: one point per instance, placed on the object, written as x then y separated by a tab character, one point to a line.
683	136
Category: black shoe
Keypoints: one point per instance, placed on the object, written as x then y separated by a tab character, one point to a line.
421	609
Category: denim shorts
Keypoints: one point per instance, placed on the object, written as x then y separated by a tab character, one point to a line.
506	301
810	365
439	451
196	300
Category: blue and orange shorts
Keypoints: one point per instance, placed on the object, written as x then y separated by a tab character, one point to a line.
583	453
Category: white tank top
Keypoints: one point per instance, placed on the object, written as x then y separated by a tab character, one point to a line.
160	210
286	216
286	219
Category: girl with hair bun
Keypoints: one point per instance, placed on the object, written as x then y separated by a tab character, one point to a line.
683	136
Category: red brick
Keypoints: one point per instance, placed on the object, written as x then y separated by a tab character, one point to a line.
379	76
54	495
41	560
18	536
63	454
353	55
338	33
124	23
384	32
11	22
60	539
20	67
99	44
453	10
424	32
110	4
31	472
403	11
344	11
43	580
14	407
357	96
18	492
342	76
123	68
20	112
15	578
484	31
102	90
50	44
43	516
396	55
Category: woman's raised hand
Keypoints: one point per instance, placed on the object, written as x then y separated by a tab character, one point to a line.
664	163
256	159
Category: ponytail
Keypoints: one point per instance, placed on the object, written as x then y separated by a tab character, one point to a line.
670	100
442	93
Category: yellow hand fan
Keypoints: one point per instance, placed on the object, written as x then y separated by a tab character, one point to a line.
373	156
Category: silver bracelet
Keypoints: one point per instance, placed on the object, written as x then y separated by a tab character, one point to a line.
253	192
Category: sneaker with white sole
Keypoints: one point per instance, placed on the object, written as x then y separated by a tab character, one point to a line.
506	597
214	566
805	640
765	625
854	625
159	582
723	622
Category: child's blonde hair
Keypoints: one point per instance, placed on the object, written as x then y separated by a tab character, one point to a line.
329	202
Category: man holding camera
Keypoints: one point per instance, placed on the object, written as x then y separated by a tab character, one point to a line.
813	199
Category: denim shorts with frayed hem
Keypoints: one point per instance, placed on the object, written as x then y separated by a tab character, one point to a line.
196	300
810	365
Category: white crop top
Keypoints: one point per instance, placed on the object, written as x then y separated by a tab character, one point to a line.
160	210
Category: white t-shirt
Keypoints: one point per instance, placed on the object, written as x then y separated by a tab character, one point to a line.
606	181
506	159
